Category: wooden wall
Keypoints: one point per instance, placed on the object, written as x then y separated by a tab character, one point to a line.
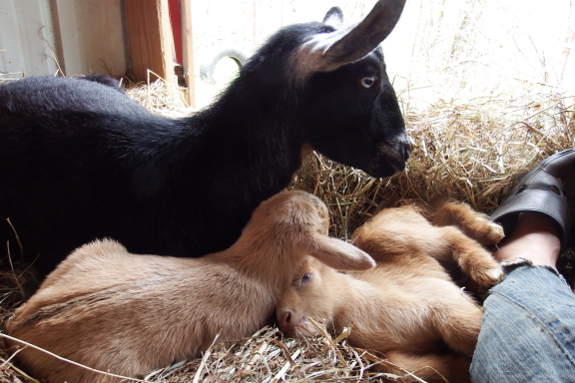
113	37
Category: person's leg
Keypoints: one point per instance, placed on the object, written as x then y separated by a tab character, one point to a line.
536	238
528	331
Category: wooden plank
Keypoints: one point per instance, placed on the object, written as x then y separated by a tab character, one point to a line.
150	39
175	8
188	51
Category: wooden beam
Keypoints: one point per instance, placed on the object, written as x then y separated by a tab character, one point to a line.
188	51
150	38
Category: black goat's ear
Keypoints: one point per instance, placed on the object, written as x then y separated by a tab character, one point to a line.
334	17
367	35
328	51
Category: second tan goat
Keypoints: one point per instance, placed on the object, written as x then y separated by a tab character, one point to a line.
407	307
128	314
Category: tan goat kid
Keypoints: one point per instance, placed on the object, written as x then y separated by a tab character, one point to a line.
128	314
407	307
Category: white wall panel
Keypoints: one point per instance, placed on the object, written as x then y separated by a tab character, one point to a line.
87	37
92	36
26	39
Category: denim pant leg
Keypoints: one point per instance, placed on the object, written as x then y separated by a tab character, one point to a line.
528	331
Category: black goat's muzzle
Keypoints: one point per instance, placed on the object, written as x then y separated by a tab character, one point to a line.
390	158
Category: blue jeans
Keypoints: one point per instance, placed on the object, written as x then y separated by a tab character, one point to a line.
528	331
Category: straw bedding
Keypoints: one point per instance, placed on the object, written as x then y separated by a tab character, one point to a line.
473	152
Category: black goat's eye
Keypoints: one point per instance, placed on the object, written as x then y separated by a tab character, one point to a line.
367	82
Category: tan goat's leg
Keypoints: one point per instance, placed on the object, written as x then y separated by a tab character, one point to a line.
458	319
474	224
432	368
472	258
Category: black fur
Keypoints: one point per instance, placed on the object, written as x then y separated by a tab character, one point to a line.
79	160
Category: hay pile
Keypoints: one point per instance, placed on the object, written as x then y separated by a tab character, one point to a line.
473	152
268	358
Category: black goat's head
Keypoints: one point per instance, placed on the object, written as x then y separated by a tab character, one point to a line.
350	108
351	115
346	107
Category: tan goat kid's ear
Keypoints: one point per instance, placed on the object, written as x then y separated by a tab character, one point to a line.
339	254
328	51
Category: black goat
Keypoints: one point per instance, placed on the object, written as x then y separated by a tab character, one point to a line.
79	160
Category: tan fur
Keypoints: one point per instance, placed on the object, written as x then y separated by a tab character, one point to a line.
407	307
128	314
